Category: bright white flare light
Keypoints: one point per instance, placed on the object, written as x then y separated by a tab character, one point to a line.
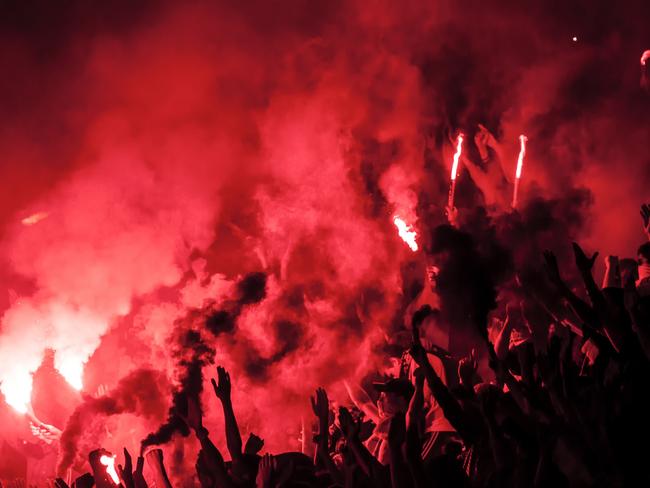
109	462
71	369
522	155
17	390
459	148
407	233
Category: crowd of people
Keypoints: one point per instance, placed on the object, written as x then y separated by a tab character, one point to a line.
569	410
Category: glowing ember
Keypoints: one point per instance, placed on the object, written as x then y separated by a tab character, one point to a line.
454	170
34	218
109	462
407	233
520	165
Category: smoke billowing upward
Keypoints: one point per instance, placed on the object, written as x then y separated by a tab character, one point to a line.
193	354
141	393
176	147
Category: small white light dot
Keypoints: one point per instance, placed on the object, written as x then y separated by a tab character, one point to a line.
575	39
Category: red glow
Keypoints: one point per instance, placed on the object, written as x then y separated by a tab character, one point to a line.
406	232
645	56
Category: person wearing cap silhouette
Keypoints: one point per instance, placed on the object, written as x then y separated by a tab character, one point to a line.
394	396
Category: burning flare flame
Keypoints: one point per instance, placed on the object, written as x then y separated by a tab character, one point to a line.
522	155
459	150
109	462
520	165
454	171
407	233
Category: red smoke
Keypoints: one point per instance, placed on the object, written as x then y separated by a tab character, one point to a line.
155	154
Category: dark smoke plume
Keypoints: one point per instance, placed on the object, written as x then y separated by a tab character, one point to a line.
250	290
193	354
140	393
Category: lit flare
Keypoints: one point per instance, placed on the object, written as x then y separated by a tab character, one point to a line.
406	232
520	166
109	462
454	170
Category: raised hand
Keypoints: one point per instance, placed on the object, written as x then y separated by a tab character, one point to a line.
320	405
484	139
583	262
254	444
126	472
138	474
265	471
349	427
223	388
467	367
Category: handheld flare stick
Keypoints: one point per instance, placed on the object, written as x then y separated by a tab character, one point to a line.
520	165
454	170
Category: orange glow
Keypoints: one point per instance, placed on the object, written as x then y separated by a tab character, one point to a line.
407	233
109	462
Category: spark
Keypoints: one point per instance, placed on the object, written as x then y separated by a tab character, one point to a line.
574	39
407	233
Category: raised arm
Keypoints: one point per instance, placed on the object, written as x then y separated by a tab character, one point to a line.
321	407
222	389
450	407
156	463
213	458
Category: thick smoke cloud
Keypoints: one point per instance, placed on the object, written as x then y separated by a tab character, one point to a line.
176	147
141	393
